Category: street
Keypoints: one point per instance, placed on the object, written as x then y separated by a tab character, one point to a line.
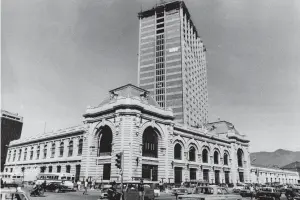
94	195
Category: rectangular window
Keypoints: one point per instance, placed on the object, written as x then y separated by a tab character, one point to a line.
241	176
68	169
150	172
58	169
206	175
193	173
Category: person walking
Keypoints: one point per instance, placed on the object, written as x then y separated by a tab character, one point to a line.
141	190
85	186
78	185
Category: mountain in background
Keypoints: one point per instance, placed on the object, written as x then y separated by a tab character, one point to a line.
279	158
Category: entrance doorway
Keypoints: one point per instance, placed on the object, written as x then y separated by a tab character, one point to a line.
178	175
106	172
217	177
227	177
150	172
77	172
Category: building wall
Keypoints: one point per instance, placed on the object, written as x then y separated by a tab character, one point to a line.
269	175
11	128
172	62
32	165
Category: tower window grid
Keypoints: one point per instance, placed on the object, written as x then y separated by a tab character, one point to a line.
160	89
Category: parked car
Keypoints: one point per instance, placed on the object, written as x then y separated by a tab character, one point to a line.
238	188
103	191
179	191
267	193
212	192
13	193
56	187
246	192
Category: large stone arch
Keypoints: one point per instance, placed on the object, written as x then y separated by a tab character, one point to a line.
105	123
155	126
98	136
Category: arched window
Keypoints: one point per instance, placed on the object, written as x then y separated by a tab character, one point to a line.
45	151
53	150
70	153
20	153
25	154
240	156
14	156
225	159
192	154
177	151
80	143
61	149
38	153
216	157
205	156
150	143
104	142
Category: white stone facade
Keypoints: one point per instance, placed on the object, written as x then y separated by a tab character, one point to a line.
265	175
132	122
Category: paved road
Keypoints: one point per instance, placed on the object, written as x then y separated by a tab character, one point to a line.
93	195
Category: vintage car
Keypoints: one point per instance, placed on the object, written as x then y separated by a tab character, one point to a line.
180	191
238	188
267	193
212	192
292	193
103	191
56	187
246	192
13	193
131	192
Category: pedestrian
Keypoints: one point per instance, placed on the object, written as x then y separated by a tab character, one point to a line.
93	184
141	190
78	185
85	186
44	184
160	186
251	191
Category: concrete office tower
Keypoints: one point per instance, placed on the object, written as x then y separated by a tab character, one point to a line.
11	128
172	62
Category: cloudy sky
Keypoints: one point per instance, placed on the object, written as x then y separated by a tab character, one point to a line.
58	57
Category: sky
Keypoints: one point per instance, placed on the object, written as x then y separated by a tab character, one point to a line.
58	57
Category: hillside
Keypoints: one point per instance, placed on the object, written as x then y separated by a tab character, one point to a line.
280	157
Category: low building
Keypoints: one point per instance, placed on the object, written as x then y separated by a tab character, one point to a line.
11	128
155	147
294	166
263	175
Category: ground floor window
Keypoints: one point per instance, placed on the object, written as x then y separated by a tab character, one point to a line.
206	175
150	172
241	175
68	169
193	174
50	169
106	172
58	169
227	177
178	175
217	177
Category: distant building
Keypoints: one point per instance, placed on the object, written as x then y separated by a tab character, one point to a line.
11	128
263	175
155	146
294	166
172	62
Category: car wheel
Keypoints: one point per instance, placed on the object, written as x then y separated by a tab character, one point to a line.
56	190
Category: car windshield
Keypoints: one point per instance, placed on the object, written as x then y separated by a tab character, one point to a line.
13	196
222	191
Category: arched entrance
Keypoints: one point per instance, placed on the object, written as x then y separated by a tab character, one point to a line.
150	149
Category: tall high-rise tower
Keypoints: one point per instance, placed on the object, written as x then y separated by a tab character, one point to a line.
172	62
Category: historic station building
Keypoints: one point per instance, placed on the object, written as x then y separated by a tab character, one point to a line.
154	146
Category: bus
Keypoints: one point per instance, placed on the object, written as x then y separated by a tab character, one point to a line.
12	178
66	179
